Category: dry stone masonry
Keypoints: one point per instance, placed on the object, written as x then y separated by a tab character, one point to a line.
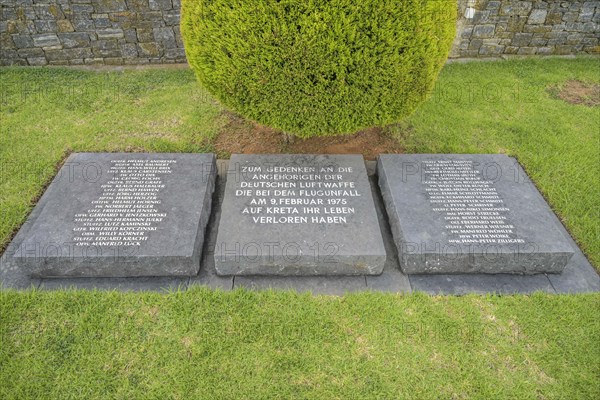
61	32
488	28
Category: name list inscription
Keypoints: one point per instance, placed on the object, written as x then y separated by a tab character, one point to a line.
297	194
127	210
473	210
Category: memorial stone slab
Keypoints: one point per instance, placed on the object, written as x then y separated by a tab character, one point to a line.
121	215
298	215
469	214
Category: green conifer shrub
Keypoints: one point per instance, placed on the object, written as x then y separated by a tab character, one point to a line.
319	67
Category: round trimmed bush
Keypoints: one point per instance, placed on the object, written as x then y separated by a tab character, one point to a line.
318	67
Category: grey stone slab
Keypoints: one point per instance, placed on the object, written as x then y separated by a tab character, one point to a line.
469	214
577	277
208	275
391	279
459	284
11	275
327	285
137	284
121	215
298	215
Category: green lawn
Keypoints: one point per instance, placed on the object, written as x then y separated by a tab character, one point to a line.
489	107
263	345
210	344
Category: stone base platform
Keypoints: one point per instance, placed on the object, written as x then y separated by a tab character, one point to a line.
578	276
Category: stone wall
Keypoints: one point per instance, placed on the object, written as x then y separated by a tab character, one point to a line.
488	28
58	32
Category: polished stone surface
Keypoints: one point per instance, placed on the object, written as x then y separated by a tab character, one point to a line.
119	215
472	213
295	215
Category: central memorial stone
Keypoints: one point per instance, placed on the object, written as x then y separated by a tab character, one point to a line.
454	213
298	215
121	215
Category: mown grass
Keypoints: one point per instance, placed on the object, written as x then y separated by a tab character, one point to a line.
490	107
211	344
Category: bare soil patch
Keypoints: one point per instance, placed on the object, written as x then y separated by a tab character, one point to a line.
578	92
241	136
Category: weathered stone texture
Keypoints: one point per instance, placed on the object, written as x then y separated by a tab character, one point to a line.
526	28
150	28
62	32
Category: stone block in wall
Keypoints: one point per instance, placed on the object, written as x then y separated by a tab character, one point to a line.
113	61
124	19
149	49
22	41
68	54
574	39
175	54
129	50
491	50
592	49
537	28
545	50
48	11
106	48
130	35
46	40
178	36
37	61
110	33
516	23
565	49
554	18
85	10
538	41
586	15
31	52
515	7
83	24
483	31
493	5
590	27
475	44
45	26
570	16
145	35
6	41
25	12
172	17
93	61
165	36
521	39
153	16
590	41
160	4
101	21
537	16
527	51
64	25
74	39
137	5
482	17
105	6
